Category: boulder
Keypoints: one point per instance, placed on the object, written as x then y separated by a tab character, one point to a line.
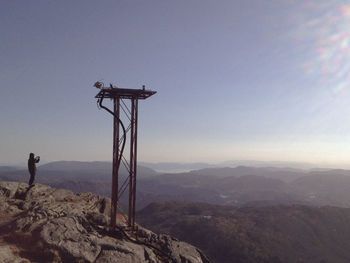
45	224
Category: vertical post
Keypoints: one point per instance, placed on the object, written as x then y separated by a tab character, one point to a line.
114	202
135	161
131	173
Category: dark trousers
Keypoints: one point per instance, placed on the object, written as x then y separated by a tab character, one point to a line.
32	177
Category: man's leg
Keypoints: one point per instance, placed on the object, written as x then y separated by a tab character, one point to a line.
31	180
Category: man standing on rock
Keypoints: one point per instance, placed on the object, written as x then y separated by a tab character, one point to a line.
31	167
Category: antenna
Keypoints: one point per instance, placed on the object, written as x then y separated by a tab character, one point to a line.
119	96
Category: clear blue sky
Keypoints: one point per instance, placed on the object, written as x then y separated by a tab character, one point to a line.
236	80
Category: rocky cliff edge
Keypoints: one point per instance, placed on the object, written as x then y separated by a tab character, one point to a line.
43	224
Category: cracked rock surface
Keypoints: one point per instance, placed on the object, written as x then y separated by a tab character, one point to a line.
44	224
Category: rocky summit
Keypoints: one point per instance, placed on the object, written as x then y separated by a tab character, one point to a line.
44	224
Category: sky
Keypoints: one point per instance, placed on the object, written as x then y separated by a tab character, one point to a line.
236	80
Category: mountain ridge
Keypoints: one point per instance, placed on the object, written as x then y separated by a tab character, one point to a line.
240	186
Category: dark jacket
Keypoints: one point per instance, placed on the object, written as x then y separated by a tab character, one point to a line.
31	163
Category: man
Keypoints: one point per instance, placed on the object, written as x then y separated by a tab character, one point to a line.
31	167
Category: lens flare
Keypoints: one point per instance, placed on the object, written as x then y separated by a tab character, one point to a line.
326	31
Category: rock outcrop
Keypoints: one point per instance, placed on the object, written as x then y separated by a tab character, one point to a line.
43	224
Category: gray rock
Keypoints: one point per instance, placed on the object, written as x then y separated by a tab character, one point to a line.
74	228
7	256
127	252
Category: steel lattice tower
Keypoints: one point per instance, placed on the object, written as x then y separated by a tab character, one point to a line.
119	96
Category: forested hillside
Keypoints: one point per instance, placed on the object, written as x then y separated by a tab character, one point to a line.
256	234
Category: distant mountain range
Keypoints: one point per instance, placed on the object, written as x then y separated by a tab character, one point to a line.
239	186
76	170
250	186
174	167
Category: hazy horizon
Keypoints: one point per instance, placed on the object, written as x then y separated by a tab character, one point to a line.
227	163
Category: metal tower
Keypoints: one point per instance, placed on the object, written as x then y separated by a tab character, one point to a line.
119	96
